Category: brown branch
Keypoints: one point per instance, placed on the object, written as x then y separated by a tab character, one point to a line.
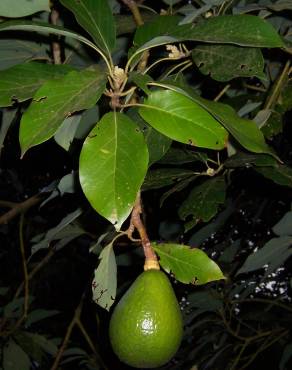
25	284
20	208
132	5
90	343
151	261
74	321
56	48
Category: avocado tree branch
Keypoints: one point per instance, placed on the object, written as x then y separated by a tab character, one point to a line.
74	321
19	208
151	261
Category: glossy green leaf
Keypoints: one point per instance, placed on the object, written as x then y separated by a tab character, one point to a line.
157	143
22	8
243	30
96	18
113	164
15	51
203	201
242	62
161	177
104	284
14	358
284	226
56	100
20	82
188	265
274	253
280	174
141	80
183	120
243	130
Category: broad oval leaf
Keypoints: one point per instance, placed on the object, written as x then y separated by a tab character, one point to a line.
157	143
188	265
203	201
113	164
22	8
96	17
242	62
245	30
179	118
22	81
243	130
56	100
14	357
104	284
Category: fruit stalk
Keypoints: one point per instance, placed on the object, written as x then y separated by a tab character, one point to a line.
151	261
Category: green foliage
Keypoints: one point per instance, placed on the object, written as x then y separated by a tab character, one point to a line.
136	109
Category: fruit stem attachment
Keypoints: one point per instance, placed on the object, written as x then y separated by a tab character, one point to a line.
151	261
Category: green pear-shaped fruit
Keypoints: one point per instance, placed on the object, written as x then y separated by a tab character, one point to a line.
146	326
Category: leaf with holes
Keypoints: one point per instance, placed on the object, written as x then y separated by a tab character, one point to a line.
203	201
56	100
96	18
104	285
241	62
23	80
183	120
188	265
113	164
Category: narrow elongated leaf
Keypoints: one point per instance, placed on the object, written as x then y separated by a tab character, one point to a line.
203	201
241	159
22	81
284	226
180	156
280	174
181	119
46	28
160	177
96	18
8	116
15	51
113	164
104	285
274	253
22	8
243	130
56	100
242	62
187	265
14	358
